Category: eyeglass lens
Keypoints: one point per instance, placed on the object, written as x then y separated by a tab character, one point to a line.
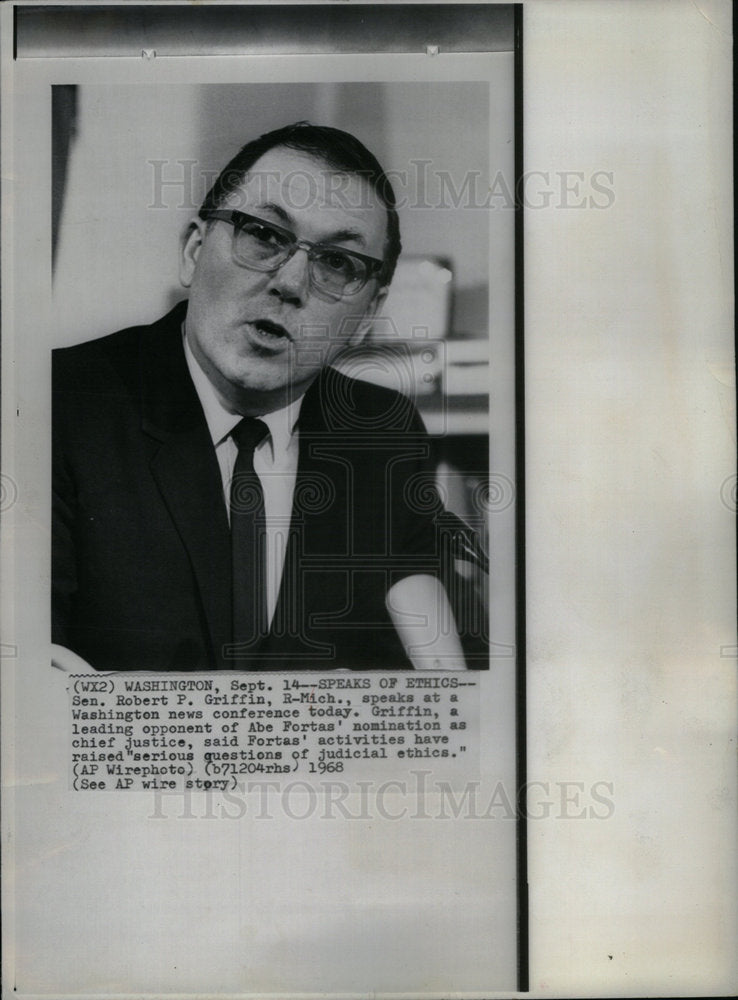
259	245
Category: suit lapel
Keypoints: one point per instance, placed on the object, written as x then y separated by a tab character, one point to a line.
319	530
186	471
323	474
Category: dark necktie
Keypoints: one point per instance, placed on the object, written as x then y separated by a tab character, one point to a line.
248	546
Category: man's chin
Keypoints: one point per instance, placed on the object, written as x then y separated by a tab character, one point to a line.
256	387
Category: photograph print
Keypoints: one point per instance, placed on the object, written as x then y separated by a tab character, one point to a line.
283	376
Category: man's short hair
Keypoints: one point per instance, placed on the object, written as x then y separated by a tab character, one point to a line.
338	150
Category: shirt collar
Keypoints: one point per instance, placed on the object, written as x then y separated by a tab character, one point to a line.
221	419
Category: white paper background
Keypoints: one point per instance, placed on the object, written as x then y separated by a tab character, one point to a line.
631	606
631	549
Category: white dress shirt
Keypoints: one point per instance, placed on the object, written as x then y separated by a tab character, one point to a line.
275	463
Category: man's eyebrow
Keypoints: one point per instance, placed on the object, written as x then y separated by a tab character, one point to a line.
339	236
277	210
344	236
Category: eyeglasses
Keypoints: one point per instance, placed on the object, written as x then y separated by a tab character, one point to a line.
264	246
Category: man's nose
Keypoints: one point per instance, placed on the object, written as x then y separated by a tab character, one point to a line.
291	281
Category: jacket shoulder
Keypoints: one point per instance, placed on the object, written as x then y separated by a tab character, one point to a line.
73	363
115	356
352	404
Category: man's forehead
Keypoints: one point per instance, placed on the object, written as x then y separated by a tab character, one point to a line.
301	180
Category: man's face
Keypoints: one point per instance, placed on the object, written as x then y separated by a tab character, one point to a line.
263	337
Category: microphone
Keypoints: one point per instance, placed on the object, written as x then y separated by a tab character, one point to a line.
465	541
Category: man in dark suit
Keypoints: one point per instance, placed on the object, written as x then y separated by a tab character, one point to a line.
223	497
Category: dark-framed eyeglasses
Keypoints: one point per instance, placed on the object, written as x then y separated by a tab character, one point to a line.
265	246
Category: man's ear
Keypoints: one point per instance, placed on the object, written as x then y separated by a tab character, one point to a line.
189	250
364	326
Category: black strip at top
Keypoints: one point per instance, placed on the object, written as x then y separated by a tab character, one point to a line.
258	29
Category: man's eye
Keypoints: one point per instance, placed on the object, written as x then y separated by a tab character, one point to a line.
265	234
341	263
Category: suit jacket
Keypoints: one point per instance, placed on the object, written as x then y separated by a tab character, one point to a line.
141	543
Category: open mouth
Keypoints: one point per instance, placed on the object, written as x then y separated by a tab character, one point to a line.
267	334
